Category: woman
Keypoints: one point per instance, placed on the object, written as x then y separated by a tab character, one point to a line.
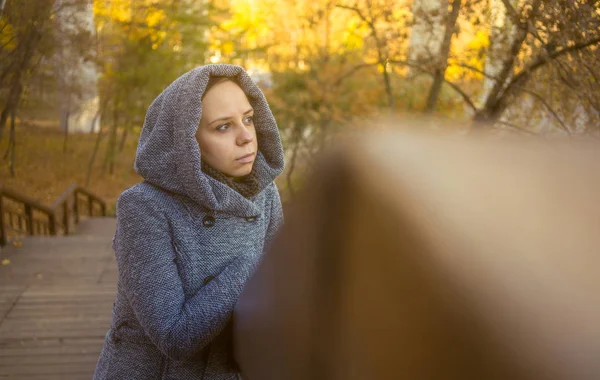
191	234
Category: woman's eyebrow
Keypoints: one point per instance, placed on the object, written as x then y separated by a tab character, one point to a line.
225	118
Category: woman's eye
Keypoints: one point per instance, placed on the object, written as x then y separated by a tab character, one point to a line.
223	127
249	120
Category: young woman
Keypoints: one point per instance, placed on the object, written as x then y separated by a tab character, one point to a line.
191	234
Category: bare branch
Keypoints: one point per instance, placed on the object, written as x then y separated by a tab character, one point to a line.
7	42
383	60
369	22
549	108
455	87
465	66
591	71
516	127
565	69
4	25
516	19
544	59
464	95
354	9
352	71
512	12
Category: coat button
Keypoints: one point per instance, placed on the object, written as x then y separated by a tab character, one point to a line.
208	279
250	219
208	221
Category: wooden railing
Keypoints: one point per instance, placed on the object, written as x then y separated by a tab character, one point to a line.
29	217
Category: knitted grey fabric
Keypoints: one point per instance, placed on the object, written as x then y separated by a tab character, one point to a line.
186	243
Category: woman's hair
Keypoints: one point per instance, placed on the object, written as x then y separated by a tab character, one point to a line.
214	80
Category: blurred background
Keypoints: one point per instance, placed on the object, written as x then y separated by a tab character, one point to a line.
76	76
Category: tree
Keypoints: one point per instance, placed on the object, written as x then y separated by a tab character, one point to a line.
544	33
30	39
143	46
25	27
384	27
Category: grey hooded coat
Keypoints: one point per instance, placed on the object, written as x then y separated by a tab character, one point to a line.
186	243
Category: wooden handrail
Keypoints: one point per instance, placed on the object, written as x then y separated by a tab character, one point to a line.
63	197
24	200
58	208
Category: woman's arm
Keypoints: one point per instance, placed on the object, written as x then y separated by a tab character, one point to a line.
145	256
275	218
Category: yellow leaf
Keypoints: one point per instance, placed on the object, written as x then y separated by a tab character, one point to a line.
5	262
154	18
227	48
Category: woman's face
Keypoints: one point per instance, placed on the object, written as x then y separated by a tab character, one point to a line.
226	134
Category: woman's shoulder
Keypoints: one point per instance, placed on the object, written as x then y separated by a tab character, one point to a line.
145	196
271	190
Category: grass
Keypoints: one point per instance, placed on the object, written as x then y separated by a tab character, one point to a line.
43	171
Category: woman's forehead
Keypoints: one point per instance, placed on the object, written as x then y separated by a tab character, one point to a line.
225	100
225	95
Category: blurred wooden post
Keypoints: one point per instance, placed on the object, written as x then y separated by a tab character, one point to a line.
424	258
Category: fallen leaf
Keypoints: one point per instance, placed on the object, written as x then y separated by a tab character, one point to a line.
5	262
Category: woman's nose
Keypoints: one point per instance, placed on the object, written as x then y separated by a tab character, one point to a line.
245	135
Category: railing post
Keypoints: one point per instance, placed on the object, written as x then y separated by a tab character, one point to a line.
66	216
90	205
2	231
103	208
29	219
76	207
52	224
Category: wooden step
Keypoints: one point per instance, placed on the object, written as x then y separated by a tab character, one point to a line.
56	299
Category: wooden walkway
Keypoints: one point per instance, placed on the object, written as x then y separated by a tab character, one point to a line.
56	298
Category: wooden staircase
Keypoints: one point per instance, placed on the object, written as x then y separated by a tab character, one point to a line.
56	297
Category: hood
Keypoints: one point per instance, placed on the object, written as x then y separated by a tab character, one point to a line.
168	154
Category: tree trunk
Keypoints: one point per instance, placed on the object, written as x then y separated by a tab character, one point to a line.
112	142
12	144
66	129
440	71
506	39
13	100
296	137
94	152
30	44
78	78
497	98
502	34
388	87
123	140
426	34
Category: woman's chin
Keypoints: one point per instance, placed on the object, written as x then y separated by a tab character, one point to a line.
241	171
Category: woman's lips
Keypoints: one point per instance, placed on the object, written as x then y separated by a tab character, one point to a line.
246	159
